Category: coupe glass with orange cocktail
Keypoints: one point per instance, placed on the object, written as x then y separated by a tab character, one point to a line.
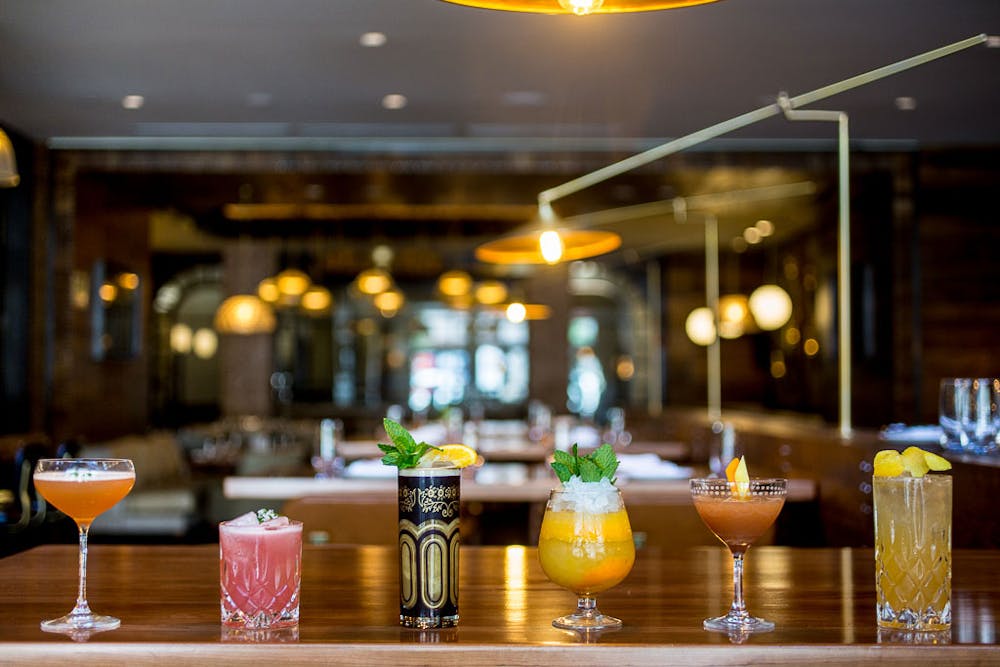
83	489
738	510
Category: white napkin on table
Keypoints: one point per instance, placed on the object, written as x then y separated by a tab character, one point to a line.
650	466
369	469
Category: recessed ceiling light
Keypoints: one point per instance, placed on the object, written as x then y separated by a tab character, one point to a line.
906	103
394	101
133	101
373	39
765	227
751	235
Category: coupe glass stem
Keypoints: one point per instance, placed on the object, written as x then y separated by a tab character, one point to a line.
82	608
739	607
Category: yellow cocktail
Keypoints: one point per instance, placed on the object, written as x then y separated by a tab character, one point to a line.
913	552
586	546
912	540
586	553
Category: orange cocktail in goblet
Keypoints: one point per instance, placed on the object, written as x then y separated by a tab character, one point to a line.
83	489
585	545
738	512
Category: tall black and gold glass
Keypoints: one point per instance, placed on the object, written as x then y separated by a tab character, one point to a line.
429	511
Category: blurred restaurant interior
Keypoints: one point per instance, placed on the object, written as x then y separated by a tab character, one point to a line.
359	174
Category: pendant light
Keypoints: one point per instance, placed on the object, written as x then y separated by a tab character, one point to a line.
579	7
244	314
8	165
550	246
771	307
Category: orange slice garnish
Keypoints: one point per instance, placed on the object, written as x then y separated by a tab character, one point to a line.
738	476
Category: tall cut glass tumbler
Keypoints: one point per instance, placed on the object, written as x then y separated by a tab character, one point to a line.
913	552
429	511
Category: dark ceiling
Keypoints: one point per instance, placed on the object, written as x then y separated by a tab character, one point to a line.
261	73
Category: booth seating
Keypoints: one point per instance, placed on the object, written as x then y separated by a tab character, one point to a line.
163	502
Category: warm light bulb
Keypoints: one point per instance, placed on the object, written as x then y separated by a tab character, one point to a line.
581	7
108	292
491	292
180	338
516	312
389	301
268	291
204	343
292	282
700	326
316	299
374	281
551	246
771	307
128	281
454	283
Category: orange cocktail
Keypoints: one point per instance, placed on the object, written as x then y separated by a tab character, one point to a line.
586	553
85	495
83	489
738	521
738	511
585	545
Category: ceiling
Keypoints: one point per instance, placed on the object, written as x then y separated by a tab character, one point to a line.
259	73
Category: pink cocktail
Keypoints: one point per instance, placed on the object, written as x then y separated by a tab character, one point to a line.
260	572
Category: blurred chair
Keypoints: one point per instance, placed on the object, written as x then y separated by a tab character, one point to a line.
31	505
332	520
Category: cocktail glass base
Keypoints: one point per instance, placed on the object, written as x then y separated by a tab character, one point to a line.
81	623
743	625
587	618
587	622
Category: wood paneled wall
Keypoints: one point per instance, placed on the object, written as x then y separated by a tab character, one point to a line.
924	230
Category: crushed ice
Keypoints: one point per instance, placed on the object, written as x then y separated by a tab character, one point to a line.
591	497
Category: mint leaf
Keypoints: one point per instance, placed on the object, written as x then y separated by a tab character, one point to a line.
266	515
599	464
562	471
564	458
589	472
399	436
404	452
604	457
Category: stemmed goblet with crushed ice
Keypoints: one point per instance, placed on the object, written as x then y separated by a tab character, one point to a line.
585	543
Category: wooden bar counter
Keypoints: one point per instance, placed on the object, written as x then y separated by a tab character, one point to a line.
821	600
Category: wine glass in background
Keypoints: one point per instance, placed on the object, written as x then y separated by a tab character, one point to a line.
585	544
738	513
83	489
969	414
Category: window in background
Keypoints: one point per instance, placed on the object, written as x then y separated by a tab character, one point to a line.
457	356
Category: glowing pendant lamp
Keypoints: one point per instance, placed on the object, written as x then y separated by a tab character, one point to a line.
548	247
579	7
244	314
8	166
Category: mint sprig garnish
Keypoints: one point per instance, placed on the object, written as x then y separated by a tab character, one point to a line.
599	464
266	515
404	452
